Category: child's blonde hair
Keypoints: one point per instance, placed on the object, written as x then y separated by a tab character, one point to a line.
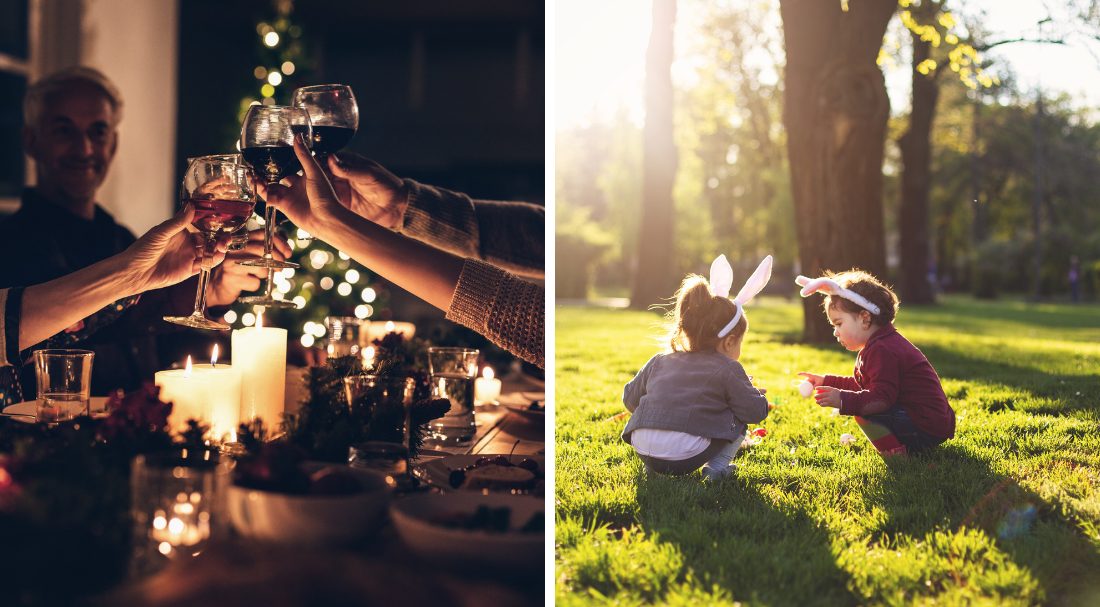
869	287
699	315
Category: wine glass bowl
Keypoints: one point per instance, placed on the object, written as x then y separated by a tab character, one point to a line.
220	189
333	113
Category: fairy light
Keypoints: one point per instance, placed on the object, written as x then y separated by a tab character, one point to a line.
274	78
271	39
288	67
326	283
361	311
369	295
230	317
248	319
352	276
307	340
344	289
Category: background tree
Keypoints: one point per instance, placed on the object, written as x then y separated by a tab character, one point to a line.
835	113
653	277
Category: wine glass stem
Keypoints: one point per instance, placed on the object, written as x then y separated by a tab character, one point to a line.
269	232
204	276
270	279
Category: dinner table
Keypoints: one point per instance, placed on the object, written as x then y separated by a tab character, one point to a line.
380	570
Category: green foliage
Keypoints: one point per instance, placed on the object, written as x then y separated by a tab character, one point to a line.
809	521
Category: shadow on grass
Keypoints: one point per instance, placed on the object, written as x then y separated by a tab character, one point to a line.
949	489
731	536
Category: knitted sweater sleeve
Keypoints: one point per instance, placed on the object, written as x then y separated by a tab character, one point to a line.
509	235
507	310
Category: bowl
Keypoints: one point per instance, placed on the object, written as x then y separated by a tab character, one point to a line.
417	521
310	519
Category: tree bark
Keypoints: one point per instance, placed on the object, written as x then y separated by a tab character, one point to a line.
916	160
653	278
835	112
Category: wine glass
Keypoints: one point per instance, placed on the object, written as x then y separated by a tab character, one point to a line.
333	113
267	143
220	189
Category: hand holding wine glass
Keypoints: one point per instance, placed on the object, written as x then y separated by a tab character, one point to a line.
368	189
219	190
168	253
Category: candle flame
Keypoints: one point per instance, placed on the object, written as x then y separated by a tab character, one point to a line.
259	318
187	369
390	326
214	356
488	373
368	355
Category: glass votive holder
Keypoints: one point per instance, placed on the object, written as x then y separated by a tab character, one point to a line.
64	380
453	371
177	504
385	401
347	335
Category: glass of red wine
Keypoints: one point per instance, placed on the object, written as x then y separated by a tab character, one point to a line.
220	189
267	144
333	113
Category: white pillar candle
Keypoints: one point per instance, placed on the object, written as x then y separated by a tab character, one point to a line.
209	393
259	353
487	388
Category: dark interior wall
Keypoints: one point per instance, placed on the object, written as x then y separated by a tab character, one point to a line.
474	120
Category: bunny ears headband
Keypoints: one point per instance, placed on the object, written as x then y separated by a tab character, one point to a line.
831	287
721	280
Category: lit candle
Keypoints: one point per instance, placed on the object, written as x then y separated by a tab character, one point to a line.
185	526
186	392
208	393
224	397
259	353
487	388
368	357
378	330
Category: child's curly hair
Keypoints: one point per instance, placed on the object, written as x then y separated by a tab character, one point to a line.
699	315
868	286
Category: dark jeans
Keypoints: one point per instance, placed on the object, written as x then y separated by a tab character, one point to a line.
685	466
914	439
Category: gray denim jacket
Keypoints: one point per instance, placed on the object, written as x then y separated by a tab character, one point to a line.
701	393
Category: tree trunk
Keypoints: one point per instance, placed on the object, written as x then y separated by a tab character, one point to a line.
653	278
835	112
916	160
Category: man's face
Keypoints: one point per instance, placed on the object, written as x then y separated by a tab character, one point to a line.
73	143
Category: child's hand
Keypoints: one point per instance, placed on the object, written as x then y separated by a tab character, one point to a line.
827	396
816	380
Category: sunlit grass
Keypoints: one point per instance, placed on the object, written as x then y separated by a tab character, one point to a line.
1008	512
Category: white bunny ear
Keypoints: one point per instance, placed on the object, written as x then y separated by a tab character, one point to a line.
801	280
756	282
813	285
721	276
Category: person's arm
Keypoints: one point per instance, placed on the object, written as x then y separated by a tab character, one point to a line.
881	379
748	403
635	389
165	255
509	235
840	382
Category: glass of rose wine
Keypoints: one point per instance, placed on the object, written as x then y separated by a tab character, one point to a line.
333	113
220	189
267	144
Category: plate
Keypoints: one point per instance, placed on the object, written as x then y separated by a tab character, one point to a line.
25	411
438	472
418	522
520	404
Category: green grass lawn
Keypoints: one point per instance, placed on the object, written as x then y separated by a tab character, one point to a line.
1008	512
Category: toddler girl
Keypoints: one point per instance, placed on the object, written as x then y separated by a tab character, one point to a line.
691	406
894	394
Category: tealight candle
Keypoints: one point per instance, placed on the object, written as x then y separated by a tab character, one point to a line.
259	353
487	388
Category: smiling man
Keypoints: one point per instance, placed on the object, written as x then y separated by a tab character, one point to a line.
70	131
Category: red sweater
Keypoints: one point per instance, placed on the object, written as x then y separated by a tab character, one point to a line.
890	369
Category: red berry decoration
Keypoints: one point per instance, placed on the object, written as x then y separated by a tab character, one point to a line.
760	432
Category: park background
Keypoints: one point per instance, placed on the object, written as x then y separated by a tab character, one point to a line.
947	147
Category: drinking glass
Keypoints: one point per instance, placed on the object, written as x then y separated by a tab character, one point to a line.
219	187
333	113
267	144
387	399
64	380
453	371
177	504
347	335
